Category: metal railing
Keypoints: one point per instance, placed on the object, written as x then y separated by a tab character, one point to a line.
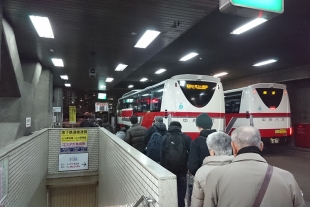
145	200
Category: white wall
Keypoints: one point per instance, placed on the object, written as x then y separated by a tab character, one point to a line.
125	175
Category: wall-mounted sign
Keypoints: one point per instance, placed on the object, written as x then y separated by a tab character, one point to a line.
28	122
72	114
73	141
56	109
101	106
68	162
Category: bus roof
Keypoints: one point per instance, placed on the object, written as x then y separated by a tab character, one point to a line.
196	77
267	85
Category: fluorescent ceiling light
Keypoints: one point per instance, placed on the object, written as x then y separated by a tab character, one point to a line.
249	26
189	56
109	79
43	26
102	86
146	94
121	67
58	62
265	62
64	77
67	84
143	79
220	74
147	38
160	71
130	86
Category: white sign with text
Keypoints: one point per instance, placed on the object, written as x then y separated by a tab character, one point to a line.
69	162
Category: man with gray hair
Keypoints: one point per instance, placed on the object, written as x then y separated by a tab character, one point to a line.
249	180
219	145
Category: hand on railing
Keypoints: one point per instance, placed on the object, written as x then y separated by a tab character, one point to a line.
146	201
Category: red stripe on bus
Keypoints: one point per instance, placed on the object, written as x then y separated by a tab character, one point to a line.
259	115
181	114
271	133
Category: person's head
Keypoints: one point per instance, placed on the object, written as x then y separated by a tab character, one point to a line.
175	124
159	119
134	119
245	136
219	144
204	121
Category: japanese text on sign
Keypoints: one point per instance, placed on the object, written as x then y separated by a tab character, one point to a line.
73	141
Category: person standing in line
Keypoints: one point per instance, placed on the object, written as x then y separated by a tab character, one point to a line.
135	134
174	156
199	149
249	180
219	145
158	126
87	122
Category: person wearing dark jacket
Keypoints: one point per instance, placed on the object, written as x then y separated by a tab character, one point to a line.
199	149
87	123
158	126
176	135
135	134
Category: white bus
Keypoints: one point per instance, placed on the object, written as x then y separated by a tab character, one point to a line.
181	98
265	106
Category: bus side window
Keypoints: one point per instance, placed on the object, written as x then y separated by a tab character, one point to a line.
156	100
144	103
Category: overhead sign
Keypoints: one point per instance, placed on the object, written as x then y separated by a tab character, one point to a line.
68	162
56	109
266	9
73	141
101	106
72	114
28	122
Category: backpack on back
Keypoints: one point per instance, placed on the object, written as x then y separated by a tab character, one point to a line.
153	146
176	152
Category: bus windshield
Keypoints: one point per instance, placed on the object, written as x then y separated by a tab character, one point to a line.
198	93
270	96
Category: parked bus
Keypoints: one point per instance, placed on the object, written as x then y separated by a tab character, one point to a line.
265	106
181	98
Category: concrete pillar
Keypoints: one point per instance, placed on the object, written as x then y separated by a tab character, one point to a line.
58	102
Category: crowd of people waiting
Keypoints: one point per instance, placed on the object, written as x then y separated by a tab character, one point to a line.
227	171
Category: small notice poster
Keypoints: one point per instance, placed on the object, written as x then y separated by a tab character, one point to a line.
72	114
68	162
28	122
73	141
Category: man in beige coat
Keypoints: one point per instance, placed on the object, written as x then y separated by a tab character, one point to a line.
219	145
238	184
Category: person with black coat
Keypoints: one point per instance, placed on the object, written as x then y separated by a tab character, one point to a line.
199	149
158	126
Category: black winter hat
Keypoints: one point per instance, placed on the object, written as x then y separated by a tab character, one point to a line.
204	121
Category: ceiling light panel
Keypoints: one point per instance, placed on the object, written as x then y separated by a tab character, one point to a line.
189	56
220	74
266	62
121	67
147	38
130	86
67	84
58	62
109	79
43	26
143	79
64	77
249	26
160	71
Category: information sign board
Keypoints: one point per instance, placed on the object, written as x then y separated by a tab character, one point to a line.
68	162
73	140
72	114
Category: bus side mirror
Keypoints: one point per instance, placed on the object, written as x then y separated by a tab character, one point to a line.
247	115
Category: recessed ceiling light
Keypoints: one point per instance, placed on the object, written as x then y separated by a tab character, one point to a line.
160	71
102	86
249	26
265	62
43	26
147	38
220	74
51	50
143	79
64	77
130	86
121	67
67	84
109	79
189	56
58	62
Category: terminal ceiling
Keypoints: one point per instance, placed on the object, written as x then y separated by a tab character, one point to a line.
102	34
